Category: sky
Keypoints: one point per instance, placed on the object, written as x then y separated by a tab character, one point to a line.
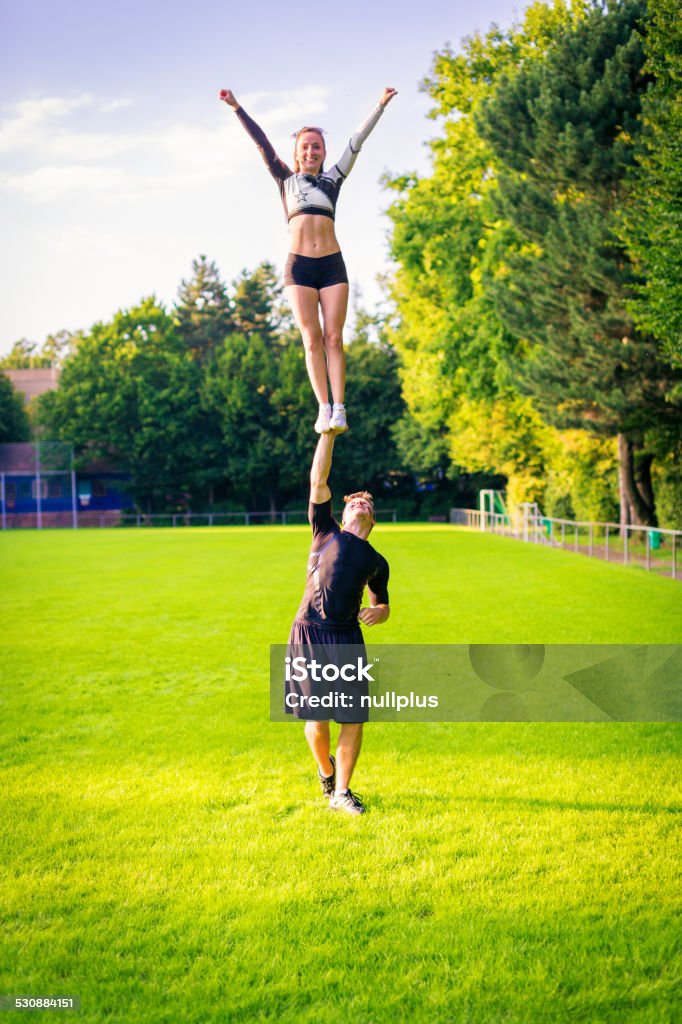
119	165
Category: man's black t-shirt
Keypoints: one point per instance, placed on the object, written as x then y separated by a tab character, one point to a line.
340	565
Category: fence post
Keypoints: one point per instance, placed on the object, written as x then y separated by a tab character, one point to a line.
606	538
625	547
648	551
674	556
74	500
39	497
590	540
2	499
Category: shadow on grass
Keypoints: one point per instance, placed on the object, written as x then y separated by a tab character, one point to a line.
529	803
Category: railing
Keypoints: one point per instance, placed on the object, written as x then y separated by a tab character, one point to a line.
281	518
651	548
95	518
492	522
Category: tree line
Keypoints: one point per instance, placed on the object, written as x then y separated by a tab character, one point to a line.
208	405
535	329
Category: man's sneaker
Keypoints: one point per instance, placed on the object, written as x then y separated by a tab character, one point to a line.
338	418
328	782
346	801
322	424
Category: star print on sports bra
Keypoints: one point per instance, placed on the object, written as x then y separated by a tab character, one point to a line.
309	193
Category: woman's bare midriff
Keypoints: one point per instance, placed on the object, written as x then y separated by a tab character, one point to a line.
312	235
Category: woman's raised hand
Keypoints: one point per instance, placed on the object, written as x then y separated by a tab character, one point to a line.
228	97
387	96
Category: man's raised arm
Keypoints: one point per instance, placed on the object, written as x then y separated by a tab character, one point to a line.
320	469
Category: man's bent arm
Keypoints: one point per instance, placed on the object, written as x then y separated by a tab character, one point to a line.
320	469
376	613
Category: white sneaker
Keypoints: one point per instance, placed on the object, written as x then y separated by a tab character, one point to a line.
322	425
347	801
338	420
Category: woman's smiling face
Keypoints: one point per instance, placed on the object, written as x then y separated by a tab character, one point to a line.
309	152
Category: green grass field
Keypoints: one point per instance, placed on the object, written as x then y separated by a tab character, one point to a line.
167	856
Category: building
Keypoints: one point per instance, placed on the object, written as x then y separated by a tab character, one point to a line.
32	383
39	487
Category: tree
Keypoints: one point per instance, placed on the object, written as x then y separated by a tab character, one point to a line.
130	393
256	393
14	422
28	355
203	311
258	304
449	240
260	395
652	221
561	131
368	459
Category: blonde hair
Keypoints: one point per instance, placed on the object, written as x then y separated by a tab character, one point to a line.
295	135
361	494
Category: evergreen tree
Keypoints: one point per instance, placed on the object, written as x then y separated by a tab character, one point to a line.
203	311
259	306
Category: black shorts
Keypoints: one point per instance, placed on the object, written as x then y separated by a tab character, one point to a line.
315	271
328	647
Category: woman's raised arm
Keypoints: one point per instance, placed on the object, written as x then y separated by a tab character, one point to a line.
278	169
345	164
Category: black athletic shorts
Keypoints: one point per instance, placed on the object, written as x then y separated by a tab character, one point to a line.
328	647
315	271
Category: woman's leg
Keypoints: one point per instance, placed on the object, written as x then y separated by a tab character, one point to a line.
304	304
334	302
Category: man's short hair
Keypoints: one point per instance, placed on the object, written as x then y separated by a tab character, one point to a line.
360	494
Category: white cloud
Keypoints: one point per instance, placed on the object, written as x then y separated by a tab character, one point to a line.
112	105
90	146
74	240
26	128
56	156
50	183
53	106
286	107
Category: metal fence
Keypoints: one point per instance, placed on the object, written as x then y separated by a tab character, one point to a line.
280	518
99	519
648	547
